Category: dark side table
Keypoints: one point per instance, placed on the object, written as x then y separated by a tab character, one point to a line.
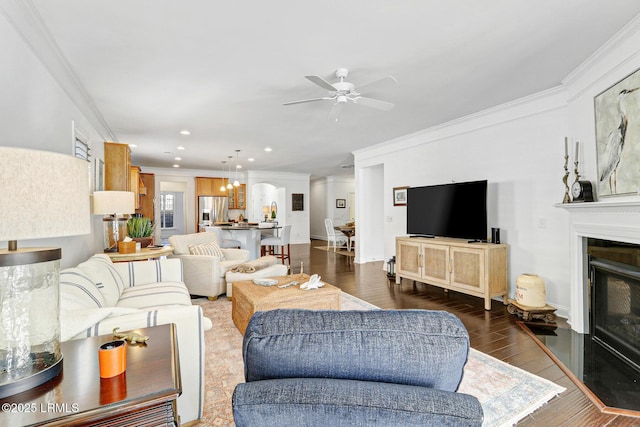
144	394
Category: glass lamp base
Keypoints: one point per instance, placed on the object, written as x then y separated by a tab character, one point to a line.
30	328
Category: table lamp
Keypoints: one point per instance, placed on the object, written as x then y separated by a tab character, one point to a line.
44	195
113	204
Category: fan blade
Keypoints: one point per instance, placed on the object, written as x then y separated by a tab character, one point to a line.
336	110
384	80
373	103
321	82
307	100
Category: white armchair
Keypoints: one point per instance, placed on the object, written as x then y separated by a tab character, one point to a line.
205	274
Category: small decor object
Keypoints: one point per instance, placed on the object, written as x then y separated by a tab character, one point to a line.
400	196
132	337
565	177
265	282
495	235
391	272
313	283
112	358
617	112
127	246
582	191
297	202
140	229
341	203
530	302
530	290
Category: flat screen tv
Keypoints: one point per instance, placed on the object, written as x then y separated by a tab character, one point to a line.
456	210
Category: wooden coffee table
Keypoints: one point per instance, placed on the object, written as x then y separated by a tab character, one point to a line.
249	298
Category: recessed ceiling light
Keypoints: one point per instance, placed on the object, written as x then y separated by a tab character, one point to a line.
133	146
176	166
238	166
251	159
180	148
178	158
185	132
267	149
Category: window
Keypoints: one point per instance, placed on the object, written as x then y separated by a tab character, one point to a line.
167	206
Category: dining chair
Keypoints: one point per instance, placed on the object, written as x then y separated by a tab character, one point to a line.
351	242
268	244
332	236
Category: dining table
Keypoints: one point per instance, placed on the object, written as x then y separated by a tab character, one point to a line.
349	231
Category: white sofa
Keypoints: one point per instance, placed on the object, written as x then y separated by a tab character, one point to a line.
98	295
204	275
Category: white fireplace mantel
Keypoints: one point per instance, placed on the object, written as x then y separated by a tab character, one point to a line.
617	221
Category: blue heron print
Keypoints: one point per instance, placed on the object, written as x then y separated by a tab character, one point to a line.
617	120
615	144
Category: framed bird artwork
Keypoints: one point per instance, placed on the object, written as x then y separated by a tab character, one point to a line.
617	116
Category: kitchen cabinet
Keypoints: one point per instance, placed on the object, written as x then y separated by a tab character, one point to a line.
478	269
117	167
147	196
237	197
206	186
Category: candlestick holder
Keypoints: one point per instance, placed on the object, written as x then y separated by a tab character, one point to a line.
565	179
575	171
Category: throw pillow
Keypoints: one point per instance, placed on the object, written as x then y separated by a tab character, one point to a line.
101	271
77	291
210	248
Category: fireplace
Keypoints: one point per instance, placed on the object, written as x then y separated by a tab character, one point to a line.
615	302
597	221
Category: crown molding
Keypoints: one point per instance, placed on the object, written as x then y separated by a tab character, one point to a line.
24	16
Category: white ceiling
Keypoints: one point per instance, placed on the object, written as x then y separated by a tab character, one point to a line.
223	69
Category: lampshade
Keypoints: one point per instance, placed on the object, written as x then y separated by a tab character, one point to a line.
44	195
113	202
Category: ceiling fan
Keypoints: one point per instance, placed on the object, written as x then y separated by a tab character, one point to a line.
342	92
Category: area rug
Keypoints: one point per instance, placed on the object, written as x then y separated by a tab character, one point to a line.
506	393
339	251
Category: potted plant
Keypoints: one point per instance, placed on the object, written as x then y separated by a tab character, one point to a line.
140	229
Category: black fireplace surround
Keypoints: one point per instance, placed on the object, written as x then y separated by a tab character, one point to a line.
615	308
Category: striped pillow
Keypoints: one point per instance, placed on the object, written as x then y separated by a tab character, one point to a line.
210	248
77	291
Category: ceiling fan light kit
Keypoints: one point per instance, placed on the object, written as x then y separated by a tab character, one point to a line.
342	92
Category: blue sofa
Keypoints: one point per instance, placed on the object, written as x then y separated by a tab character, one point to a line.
355	368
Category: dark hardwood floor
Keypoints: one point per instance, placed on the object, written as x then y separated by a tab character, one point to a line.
493	332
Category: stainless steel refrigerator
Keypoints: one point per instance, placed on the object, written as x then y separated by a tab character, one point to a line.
212	209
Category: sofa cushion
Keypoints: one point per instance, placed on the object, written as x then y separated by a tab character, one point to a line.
155	295
326	401
77	291
101	271
209	248
366	345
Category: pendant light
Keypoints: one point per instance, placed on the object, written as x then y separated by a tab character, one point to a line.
229	186
222	187
236	183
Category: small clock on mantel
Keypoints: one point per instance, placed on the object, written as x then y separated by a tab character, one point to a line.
582	191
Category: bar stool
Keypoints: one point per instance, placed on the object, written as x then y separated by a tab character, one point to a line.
225	243
269	243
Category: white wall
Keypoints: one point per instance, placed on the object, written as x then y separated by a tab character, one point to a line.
519	148
287	184
324	193
37	106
